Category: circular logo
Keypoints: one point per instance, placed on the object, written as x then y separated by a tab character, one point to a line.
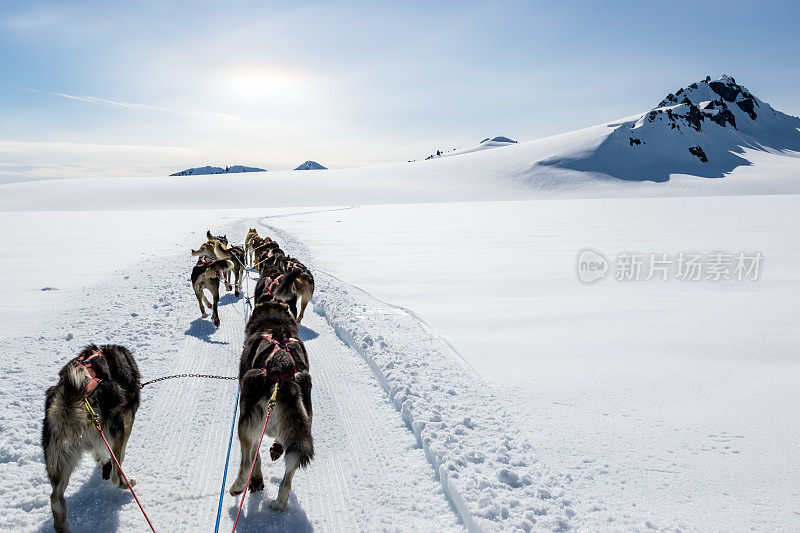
591	266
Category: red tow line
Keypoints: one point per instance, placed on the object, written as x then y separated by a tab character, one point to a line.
96	423
255	457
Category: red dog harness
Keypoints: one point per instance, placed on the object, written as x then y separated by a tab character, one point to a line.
284	345
272	284
86	363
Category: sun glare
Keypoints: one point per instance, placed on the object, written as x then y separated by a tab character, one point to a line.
261	86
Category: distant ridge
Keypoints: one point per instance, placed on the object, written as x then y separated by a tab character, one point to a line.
311	165
485	144
217	170
499	139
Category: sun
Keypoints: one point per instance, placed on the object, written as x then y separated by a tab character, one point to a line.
253	86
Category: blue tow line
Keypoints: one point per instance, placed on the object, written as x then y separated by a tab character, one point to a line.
227	459
233	422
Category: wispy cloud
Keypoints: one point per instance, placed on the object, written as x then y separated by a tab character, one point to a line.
23	161
133	105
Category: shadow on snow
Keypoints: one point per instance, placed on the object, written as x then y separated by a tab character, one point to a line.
258	516
202	329
306	334
94	507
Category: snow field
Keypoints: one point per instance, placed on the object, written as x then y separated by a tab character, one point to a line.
369	472
490	473
661	402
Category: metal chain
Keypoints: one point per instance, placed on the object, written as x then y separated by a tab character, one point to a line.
186	376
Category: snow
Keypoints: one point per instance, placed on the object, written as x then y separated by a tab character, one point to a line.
662	402
177	448
463	377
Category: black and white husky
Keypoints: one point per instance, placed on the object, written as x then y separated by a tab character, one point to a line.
109	379
273	356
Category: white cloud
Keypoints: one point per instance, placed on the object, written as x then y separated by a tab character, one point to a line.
37	160
132	105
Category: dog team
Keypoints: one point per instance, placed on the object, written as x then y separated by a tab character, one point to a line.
105	379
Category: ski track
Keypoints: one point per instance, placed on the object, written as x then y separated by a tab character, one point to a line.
490	474
369	472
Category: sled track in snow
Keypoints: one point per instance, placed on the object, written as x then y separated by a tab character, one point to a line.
483	466
368	473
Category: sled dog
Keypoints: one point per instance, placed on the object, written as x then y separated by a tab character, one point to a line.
236	256
273	272
304	285
249	242
207	275
273	356
108	378
221	238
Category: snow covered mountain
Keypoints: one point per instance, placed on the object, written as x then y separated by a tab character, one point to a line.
499	140
494	142
702	130
311	165
235	169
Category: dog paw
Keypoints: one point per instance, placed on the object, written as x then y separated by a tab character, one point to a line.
205	315
256	485
275	451
279	506
237	487
216	321
123	485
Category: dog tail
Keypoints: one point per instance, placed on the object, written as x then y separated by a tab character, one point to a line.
208	235
76	380
221	264
75	377
221	252
300	453
284	291
72	383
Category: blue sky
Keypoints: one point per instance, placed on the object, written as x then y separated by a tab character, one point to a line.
141	88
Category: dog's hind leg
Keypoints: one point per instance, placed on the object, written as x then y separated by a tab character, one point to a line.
299	449
238	272
198	292
250	422
60	460
215	296
59	477
128	426
305	296
281	503
119	431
